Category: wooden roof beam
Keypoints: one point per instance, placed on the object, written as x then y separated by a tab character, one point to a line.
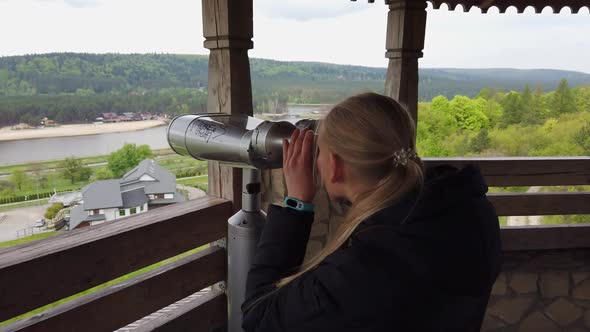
406	28
228	32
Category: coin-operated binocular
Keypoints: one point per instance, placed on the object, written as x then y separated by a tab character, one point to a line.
248	143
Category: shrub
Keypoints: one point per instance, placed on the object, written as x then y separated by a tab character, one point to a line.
53	210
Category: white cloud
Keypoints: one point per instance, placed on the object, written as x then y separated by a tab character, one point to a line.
72	3
357	38
81	3
304	10
456	39
338	31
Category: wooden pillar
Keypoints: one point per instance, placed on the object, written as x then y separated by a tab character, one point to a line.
228	32
406	27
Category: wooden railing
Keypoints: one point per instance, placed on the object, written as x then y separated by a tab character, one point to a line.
542	171
508	172
39	273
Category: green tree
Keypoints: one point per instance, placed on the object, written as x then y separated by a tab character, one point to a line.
20	178
487	93
434	126
73	170
536	113
440	104
582	138
103	173
52	211
439	119
512	105
469	113
481	141
526	101
127	157
563	99
582	97
493	110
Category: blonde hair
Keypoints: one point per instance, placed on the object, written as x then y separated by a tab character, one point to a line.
365	131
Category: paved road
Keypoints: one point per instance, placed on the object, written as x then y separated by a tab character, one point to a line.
14	220
526	220
192	191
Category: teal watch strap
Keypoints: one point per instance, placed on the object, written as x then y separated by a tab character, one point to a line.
298	205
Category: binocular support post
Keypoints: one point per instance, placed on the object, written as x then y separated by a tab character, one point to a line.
244	229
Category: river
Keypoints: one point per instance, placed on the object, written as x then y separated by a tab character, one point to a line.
31	150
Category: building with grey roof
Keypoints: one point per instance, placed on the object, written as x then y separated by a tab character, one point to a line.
67	198
146	186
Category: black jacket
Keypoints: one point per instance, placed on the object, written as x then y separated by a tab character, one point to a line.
434	272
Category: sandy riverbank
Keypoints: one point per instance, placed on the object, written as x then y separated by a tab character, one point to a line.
7	134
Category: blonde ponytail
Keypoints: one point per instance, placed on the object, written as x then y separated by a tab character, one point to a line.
366	131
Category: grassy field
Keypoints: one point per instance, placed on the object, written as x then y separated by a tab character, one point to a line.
43	165
27	239
45	178
193	181
8	207
104	285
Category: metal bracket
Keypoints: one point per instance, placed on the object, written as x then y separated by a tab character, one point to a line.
221	243
221	286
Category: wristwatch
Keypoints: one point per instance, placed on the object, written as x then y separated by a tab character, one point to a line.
298	205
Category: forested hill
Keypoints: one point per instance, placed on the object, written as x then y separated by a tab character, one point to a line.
66	73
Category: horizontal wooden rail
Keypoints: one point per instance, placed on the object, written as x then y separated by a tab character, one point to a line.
124	303
525	171
207	314
39	273
541	204
545	237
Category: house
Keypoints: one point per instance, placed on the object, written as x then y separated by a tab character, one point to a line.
145	187
46	122
146	116
130	116
110	117
66	198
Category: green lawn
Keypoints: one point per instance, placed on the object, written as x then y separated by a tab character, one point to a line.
43	165
16	242
180	165
8	207
193	181
104	285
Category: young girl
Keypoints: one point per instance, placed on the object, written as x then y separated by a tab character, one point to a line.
418	251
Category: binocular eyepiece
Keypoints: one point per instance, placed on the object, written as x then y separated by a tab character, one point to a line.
235	140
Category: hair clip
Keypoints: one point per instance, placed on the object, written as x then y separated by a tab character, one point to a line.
402	156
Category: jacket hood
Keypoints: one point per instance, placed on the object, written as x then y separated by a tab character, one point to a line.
446	233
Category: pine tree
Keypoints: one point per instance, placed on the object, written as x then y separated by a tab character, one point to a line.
582	138
513	110
527	110
539	109
563	98
481	141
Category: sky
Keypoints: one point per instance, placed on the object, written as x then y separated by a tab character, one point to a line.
335	31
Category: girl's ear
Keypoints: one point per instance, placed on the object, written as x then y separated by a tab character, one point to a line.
336	168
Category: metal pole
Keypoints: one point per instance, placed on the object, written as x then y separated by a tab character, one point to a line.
244	229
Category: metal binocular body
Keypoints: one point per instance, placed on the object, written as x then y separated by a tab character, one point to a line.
251	144
235	140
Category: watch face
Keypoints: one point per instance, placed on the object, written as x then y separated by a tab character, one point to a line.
291	203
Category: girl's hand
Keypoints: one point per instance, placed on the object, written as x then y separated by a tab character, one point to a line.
298	165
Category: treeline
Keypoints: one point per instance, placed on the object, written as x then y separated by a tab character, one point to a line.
82	107
59	73
525	123
305	82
